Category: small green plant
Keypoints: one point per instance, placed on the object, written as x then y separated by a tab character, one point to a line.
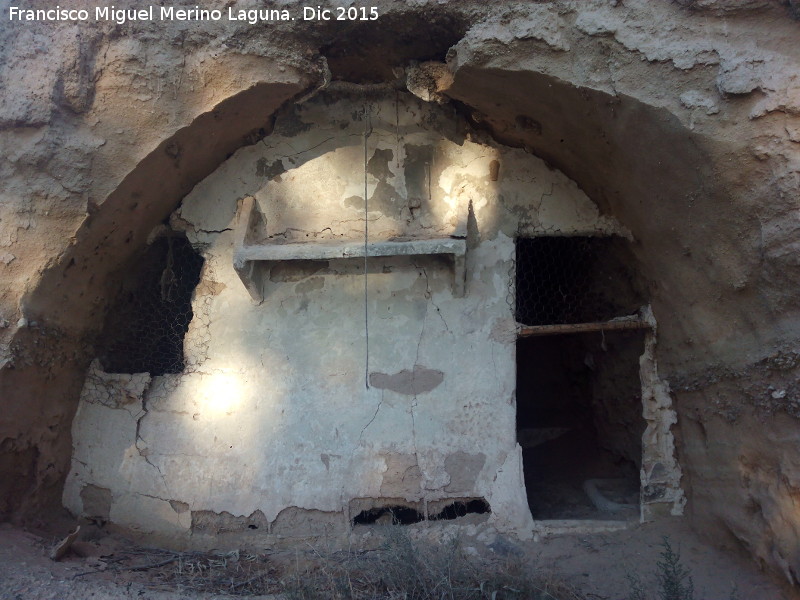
637	587
674	579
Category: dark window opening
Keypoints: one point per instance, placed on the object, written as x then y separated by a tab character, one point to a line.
441	510
562	280
462	508
394	515
147	321
580	424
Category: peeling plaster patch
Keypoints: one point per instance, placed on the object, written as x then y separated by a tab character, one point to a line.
178	506
793	132
96	502
464	469
596	23
114	390
385	200
787	102
270	171
409	383
739	77
297	270
310	285
661	473
326	459
694	99
214	523
291	125
378	165
416	170
402	478
521	23
301	522
504	331
356	202
510	512
148	514
208	287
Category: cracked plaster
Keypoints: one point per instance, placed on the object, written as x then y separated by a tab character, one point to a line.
281	384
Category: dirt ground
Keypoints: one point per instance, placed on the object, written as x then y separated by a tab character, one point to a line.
596	565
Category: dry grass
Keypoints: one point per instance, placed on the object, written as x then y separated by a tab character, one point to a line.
403	569
400	569
236	574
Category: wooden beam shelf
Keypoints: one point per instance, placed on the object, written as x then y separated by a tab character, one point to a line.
622	323
251	255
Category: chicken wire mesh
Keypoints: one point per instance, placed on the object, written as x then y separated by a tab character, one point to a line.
146	325
564	280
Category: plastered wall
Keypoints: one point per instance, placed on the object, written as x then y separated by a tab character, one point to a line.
273	425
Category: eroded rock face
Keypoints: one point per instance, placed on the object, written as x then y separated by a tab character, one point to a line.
681	121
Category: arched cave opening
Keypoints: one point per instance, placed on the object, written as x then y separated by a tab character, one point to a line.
706	200
119	209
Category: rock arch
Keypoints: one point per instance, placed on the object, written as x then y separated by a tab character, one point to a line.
702	172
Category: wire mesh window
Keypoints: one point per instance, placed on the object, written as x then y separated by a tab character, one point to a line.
146	325
563	280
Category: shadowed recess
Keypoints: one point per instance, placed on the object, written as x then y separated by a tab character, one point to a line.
147	322
369	51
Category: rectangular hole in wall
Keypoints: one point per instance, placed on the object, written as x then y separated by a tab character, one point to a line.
388	511
580	425
579	405
560	280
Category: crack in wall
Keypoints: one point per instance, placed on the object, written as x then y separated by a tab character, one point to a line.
309	149
429	298
532	217
209	231
374	416
143	452
290	230
413	403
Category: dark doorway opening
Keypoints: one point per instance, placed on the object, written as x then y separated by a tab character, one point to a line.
580	425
